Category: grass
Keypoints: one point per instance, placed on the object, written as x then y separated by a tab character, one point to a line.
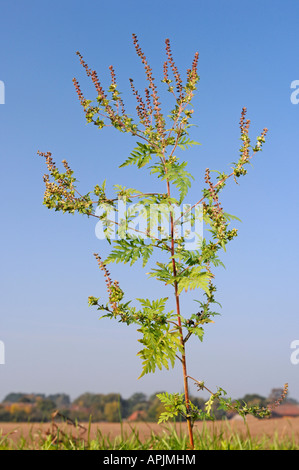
205	439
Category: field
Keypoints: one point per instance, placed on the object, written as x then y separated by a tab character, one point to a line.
273	434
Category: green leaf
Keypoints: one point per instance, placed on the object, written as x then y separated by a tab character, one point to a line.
163	272
199	332
192	279
173	403
209	404
140	156
185	142
231	217
179	177
161	343
129	251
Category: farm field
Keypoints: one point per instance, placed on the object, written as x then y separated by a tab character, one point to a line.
282	433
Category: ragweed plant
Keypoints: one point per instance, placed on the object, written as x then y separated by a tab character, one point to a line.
164	334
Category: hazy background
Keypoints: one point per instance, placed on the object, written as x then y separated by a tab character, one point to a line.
248	56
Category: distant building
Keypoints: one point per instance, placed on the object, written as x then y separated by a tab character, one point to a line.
138	415
286	410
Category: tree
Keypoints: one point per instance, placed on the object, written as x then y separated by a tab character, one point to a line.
25	399
111	411
13	397
155	408
254	398
19	414
5	414
183	264
137	402
61	400
45	405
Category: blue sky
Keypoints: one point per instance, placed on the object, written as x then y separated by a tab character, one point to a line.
248	57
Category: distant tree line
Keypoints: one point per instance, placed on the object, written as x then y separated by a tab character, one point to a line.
111	407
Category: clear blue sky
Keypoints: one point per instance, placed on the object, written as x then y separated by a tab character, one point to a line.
248	56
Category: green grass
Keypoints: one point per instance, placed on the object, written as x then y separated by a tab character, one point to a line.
206	439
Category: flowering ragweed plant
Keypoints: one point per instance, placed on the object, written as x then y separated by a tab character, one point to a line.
159	139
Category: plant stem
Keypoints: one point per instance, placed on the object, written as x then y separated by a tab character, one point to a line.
177	299
183	359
